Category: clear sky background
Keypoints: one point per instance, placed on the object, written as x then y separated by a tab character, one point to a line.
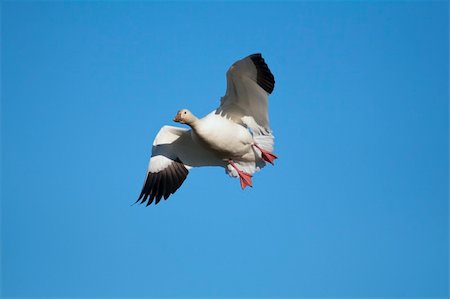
356	205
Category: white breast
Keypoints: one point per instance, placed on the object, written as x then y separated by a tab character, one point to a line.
224	136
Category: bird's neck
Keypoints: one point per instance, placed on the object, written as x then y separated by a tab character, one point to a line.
194	124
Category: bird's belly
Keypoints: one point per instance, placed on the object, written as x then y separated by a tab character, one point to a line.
226	139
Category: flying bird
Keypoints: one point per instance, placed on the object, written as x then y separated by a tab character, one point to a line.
235	136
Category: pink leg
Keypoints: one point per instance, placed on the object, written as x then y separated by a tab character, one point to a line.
246	178
266	155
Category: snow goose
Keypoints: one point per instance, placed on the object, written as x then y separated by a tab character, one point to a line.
235	136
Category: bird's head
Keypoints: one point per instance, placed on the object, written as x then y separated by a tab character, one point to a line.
184	116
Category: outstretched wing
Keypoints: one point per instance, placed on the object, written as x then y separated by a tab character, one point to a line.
174	152
249	83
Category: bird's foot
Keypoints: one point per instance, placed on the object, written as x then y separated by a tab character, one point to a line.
266	155
246	178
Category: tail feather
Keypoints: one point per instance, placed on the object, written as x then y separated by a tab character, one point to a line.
264	141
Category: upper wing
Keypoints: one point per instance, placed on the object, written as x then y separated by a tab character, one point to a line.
174	152
249	83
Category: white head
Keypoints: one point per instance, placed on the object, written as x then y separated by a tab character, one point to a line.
185	116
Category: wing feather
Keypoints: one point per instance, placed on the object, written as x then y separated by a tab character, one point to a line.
161	188
249	83
174	151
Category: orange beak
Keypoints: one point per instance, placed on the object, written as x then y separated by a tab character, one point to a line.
177	117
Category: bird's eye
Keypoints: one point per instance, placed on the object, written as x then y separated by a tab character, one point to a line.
184	112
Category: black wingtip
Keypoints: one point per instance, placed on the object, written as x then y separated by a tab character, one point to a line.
264	76
162	184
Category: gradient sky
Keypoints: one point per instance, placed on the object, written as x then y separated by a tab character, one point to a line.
356	205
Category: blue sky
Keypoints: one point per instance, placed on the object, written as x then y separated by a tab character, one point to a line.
356	205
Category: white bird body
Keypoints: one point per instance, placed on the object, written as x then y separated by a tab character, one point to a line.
224	137
235	136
